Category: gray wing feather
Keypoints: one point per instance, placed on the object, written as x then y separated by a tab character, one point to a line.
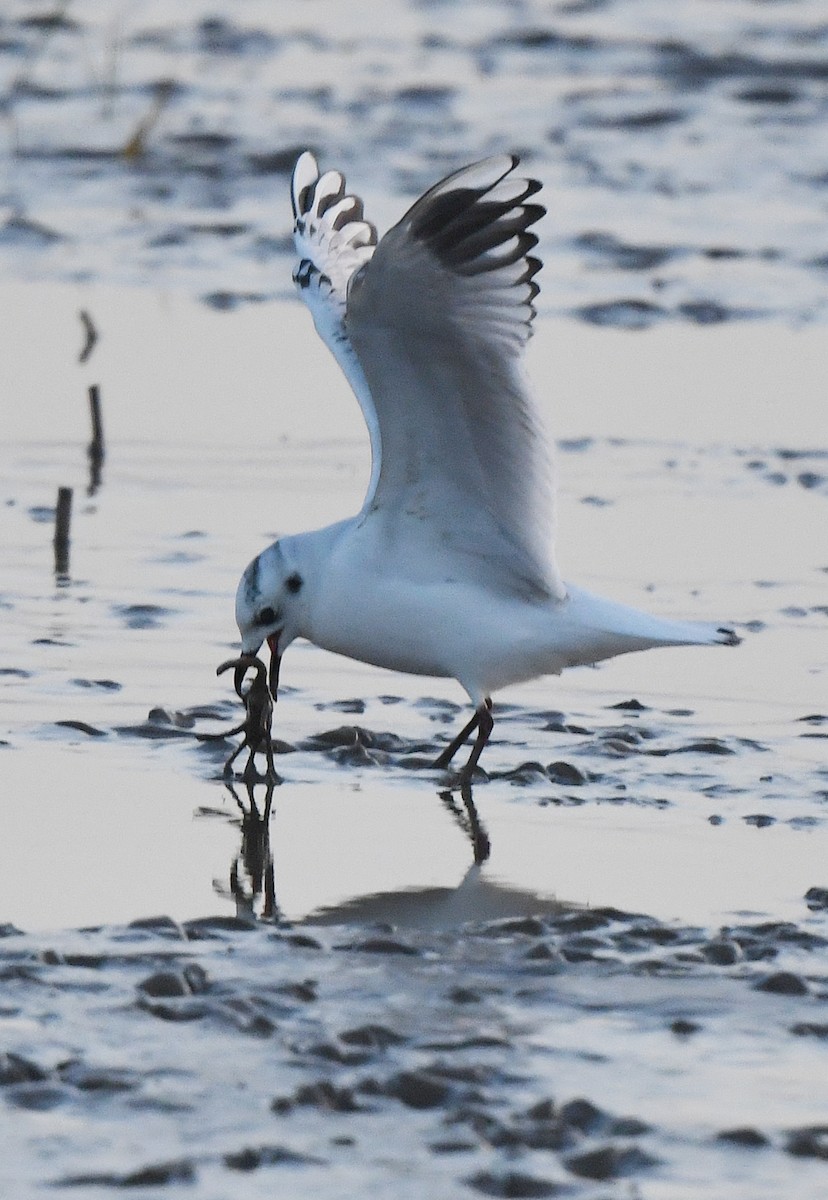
439	318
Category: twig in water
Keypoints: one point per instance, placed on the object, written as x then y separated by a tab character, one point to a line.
63	519
136	146
91	336
95	450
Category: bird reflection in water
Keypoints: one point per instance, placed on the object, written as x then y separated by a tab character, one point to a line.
251	872
469	821
252	884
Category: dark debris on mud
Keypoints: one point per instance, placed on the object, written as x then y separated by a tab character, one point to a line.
633	755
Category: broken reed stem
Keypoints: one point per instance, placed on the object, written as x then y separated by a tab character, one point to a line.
96	446
63	519
91	335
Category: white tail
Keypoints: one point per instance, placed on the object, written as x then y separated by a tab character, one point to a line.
602	628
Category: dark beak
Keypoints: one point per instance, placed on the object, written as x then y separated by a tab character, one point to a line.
275	664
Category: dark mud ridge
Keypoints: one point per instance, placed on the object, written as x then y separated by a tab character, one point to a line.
632	755
506	1059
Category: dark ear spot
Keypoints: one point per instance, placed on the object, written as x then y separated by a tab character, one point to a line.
294	582
266	617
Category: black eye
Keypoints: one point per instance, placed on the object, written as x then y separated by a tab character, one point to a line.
294	582
266	617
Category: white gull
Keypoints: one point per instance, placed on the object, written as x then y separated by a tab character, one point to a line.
448	569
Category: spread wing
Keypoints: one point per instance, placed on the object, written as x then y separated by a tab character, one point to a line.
439	317
333	240
430	328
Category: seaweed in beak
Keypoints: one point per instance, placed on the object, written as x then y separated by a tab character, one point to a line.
275	664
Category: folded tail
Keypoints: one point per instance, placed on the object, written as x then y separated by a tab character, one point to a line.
606	628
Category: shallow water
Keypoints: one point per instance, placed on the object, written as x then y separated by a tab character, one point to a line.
629	996
714	761
689	786
683	147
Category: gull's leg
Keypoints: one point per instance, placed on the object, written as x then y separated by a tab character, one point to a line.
485	725
448	754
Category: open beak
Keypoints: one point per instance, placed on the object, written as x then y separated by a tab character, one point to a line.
275	663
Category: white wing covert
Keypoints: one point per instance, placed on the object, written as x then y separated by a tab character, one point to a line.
333	241
439	317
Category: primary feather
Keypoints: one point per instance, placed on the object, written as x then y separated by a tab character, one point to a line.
332	242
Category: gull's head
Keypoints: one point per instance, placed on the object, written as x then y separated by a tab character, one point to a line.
269	603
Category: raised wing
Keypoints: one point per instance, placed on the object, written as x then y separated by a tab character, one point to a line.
333	241
439	318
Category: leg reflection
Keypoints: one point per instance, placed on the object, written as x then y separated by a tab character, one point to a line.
469	821
251	872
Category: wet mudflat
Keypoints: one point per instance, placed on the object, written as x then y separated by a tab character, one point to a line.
630	997
569	1053
683	149
630	992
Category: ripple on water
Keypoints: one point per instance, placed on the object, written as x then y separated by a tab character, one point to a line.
442	86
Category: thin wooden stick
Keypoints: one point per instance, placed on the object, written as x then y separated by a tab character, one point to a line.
91	335
95	449
63	519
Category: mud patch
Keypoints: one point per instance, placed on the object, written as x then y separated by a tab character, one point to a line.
466	1079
